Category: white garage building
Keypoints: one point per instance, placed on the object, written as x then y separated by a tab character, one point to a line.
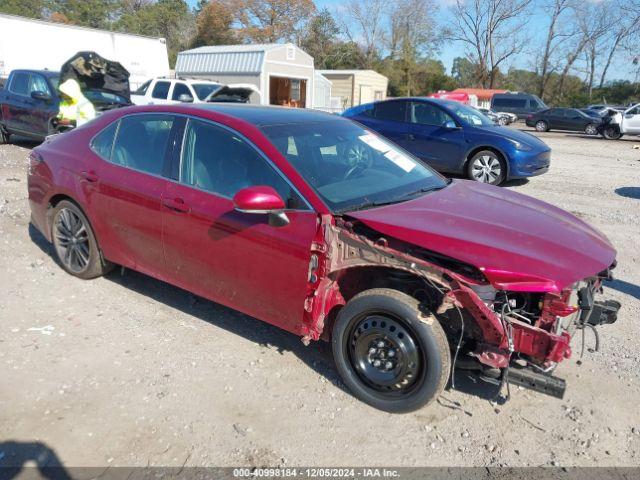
283	73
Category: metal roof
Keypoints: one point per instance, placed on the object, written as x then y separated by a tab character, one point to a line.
194	61
226	58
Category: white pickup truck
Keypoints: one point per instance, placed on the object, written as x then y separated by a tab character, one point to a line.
163	91
616	124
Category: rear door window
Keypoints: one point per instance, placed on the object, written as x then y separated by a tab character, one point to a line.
142	141
20	84
161	90
391	111
180	89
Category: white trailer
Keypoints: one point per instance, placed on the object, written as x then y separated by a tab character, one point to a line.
38	45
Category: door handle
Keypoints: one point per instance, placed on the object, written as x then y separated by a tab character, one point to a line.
409	136
176	204
90	176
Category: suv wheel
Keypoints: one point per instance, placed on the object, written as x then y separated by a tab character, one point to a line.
487	167
75	243
387	351
541	126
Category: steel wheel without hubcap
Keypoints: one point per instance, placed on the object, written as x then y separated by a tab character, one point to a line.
71	240
385	354
591	129
486	168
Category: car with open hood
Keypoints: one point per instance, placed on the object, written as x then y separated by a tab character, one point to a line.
456	138
317	225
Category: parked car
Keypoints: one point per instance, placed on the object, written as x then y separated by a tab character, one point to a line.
500	118
615	124
319	226
29	104
570	119
166	91
520	104
455	138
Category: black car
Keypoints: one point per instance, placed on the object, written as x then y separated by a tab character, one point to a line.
521	104
571	119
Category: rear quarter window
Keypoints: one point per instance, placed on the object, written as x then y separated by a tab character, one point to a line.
102	143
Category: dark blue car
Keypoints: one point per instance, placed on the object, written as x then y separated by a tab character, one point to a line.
455	138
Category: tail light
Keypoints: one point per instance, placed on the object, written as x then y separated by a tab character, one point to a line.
35	159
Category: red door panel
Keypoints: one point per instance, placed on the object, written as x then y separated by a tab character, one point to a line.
126	203
235	258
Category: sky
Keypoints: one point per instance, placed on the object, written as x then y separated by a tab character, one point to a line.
620	68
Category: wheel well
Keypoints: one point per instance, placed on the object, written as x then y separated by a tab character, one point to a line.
479	149
354	280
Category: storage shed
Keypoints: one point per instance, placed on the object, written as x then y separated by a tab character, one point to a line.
322	93
354	87
284	73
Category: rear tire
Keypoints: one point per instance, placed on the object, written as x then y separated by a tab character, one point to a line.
75	243
542	126
591	129
390	352
502	121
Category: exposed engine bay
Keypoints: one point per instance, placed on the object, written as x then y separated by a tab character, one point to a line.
516	337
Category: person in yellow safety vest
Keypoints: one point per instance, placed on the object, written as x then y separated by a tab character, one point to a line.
74	106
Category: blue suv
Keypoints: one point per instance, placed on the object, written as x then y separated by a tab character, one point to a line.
455	138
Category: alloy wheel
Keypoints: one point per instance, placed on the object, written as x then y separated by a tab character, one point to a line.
486	169
71	240
541	126
385	354
591	130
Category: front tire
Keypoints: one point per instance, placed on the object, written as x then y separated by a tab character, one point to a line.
390	352
75	243
542	126
487	166
503	122
611	133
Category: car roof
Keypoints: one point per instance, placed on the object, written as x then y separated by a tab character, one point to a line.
264	115
46	73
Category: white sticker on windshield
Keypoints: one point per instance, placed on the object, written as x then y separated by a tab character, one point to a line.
405	163
374	142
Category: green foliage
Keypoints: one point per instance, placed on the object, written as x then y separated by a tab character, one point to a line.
320	38
25	8
89	13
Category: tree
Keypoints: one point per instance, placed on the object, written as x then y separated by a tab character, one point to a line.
366	26
413	36
25	8
555	36
88	13
271	21
214	25
465	72
492	30
320	37
170	19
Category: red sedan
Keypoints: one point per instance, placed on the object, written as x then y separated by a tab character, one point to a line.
312	223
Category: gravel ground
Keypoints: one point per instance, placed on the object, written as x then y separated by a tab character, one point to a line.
126	370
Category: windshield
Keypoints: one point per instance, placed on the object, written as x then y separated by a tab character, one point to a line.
203	90
469	115
349	167
101	96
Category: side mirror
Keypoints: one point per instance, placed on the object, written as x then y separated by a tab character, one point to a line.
185	98
450	124
38	95
262	199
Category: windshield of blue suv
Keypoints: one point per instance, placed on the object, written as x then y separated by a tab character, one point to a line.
349	167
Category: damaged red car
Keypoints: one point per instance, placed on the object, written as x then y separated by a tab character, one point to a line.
314	224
